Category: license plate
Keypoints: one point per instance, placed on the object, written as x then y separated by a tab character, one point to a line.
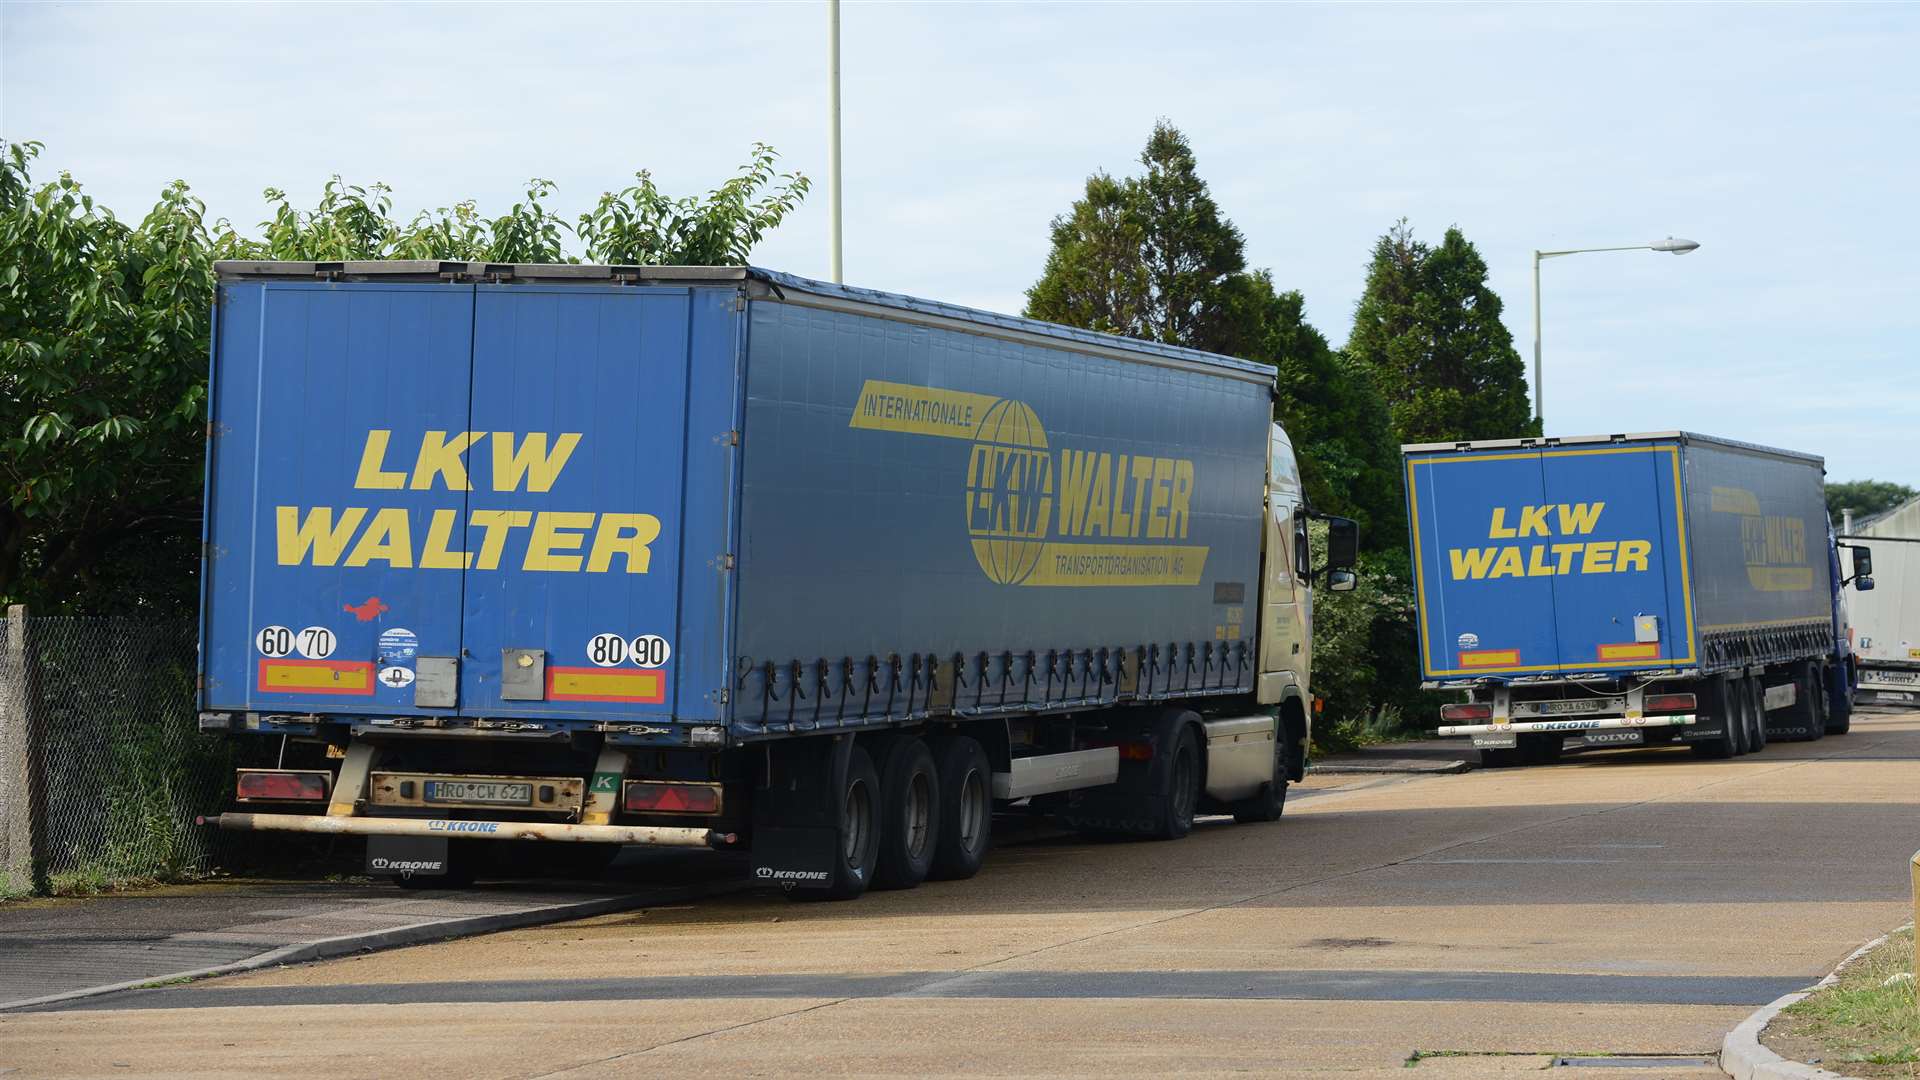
1892	676
1561	708
478	791
1614	738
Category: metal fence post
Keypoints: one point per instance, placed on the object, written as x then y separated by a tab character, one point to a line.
22	764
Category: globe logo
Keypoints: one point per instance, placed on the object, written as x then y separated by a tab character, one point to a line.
1009	492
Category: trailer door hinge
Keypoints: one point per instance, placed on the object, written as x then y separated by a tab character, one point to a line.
728	438
724	562
718	697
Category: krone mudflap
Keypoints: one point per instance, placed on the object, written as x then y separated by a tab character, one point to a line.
517	564
1628	590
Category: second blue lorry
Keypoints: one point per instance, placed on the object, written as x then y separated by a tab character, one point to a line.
1628	589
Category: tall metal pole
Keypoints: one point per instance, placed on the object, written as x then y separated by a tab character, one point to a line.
833	134
1539	408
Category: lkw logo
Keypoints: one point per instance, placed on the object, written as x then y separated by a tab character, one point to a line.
1035	515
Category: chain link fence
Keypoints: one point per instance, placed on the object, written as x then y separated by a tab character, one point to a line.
102	765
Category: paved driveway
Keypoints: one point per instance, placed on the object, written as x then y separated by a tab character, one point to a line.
1622	903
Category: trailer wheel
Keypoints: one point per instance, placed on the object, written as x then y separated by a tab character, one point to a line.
859	832
1726	703
1175	788
909	814
966	806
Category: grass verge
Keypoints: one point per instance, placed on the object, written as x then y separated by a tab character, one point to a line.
1864	1024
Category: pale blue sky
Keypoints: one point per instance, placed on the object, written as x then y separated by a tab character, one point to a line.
1786	139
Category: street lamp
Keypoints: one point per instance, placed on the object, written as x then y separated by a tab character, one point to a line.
1672	245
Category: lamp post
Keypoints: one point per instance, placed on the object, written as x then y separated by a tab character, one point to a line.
1671	244
833	136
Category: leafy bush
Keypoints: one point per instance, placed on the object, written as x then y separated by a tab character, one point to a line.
1365	667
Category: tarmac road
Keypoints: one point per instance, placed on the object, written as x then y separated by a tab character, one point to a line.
1633	903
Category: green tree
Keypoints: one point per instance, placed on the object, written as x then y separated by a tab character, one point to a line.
1095	277
1428	328
641	226
103	345
1329	408
1865	498
1149	256
103	339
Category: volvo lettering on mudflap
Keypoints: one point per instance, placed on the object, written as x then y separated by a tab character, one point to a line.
513	565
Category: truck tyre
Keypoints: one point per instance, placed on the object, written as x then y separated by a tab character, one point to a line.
1499	758
1839	706
1541	749
909	814
1174	792
1726	705
1812	706
1753	728
966	806
1757	700
463	868
1271	800
859	833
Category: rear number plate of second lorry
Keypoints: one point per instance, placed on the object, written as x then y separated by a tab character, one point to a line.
478	791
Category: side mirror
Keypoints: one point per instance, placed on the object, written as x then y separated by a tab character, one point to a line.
1344	581
1343	544
1862	562
1864	584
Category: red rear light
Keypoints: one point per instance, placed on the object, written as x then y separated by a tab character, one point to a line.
281	786
1669	703
669	797
1466	712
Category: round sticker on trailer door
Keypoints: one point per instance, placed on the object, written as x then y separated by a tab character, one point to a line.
398	645
396	677
606	650
273	641
650	650
315	642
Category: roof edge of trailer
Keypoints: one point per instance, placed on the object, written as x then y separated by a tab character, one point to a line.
1549	442
992	320
463	270
780	283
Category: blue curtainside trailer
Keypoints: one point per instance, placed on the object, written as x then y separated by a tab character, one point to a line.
699	555
1627	589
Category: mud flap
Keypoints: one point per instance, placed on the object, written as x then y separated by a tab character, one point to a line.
407	856
796	817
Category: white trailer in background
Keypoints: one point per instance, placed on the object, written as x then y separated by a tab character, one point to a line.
1886	621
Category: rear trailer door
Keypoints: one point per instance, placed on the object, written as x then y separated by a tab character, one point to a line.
466	500
572	599
1549	561
318	597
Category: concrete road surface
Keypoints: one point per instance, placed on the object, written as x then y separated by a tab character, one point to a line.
1631	903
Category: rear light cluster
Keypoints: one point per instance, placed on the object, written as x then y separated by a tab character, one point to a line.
281	785
1669	703
1466	712
671	797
